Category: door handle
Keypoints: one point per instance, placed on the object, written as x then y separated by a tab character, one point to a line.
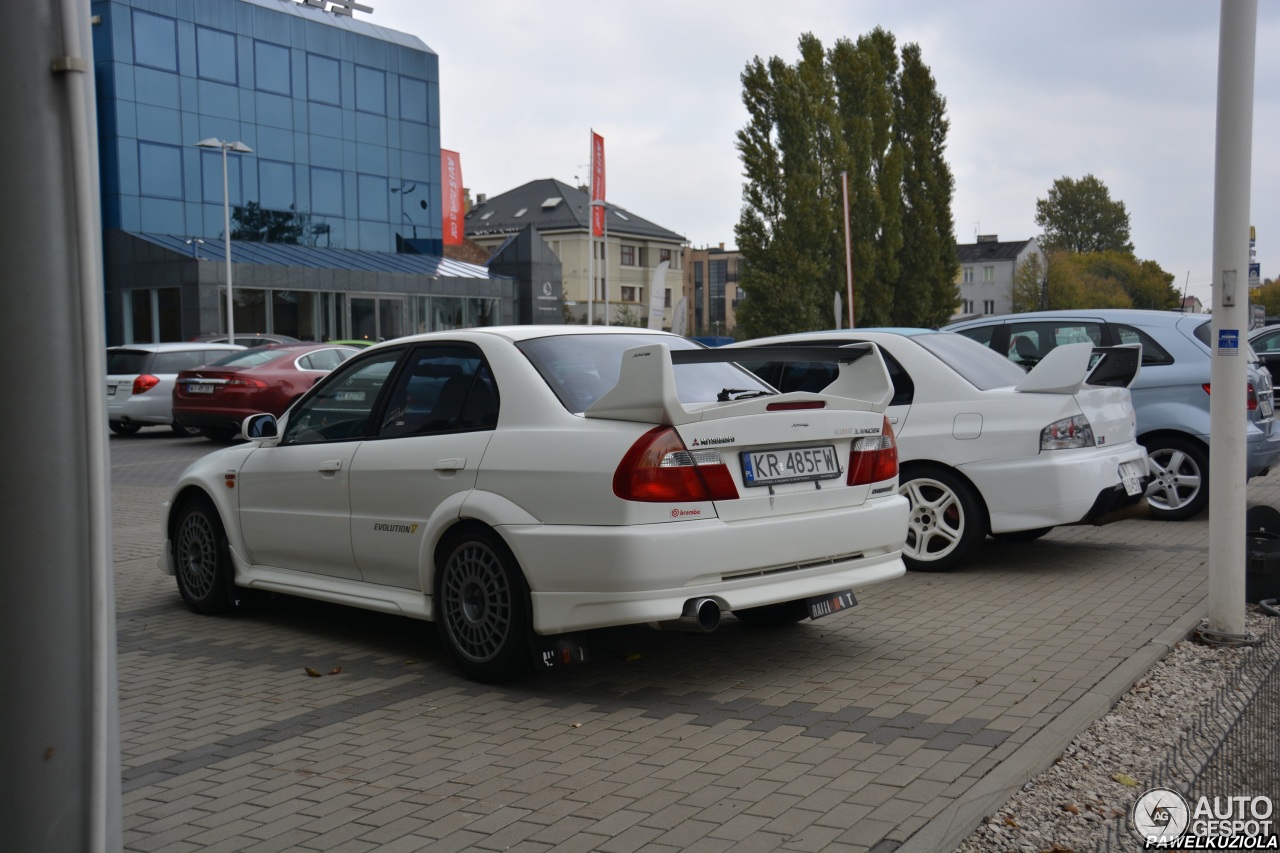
331	465
451	464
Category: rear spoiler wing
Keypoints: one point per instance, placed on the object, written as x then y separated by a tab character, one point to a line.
646	389
1066	369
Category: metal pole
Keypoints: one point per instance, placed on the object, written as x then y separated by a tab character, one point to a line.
226	233
59	758
1227	414
848	245
604	207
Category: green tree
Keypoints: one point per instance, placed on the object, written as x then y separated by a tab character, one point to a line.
855	110
1080	216
1031	285
1268	296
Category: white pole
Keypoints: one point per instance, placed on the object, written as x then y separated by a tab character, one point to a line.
1227	415
848	246
226	234
604	207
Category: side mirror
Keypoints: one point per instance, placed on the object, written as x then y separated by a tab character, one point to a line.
259	426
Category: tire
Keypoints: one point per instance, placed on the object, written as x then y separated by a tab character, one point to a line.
222	435
482	607
773	615
182	431
1181	487
202	560
946	520
124	429
1021	535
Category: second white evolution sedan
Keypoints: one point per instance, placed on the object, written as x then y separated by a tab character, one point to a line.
516	483
986	447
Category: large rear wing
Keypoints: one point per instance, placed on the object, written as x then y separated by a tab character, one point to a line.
1066	369
646	389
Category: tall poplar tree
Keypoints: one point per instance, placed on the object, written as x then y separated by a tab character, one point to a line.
855	109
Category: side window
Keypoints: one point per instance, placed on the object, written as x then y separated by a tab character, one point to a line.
341	407
442	389
904	390
324	359
981	334
1267	343
1152	352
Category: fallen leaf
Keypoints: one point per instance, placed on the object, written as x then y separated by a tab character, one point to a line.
576	725
1008	821
1071	807
632	657
311	672
336	670
1124	779
1057	848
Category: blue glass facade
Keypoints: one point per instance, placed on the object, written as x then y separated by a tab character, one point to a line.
342	117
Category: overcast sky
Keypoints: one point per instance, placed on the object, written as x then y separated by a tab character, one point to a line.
1036	91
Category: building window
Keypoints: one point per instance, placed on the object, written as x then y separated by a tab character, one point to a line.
988	274
628	294
275	185
271	68
373	197
627	256
216	55
666	298
718	274
988	306
664	255
211	176
413	100
371	90
968	275
323	85
160	171
968	306
155	41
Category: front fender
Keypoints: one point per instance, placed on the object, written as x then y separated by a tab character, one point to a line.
213	476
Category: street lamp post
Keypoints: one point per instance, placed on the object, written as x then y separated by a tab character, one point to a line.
239	148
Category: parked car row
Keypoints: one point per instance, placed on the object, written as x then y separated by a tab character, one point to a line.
516	484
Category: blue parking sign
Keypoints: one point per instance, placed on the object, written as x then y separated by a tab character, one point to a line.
1229	342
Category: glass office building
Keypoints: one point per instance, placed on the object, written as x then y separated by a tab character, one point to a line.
335	214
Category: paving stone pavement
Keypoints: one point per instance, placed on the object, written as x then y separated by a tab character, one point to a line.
895	727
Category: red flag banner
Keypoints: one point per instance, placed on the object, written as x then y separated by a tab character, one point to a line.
597	184
451	190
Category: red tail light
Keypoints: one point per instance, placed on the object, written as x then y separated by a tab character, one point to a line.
874	458
1251	399
246	383
660	469
145	383
791	407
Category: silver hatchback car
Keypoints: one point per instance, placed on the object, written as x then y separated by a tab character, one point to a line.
140	382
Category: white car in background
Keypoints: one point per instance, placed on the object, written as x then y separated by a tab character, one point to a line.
986	447
527	481
140	381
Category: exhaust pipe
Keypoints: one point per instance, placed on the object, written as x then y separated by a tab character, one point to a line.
700	616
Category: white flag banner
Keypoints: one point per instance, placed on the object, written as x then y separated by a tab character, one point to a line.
839	306
658	295
680	317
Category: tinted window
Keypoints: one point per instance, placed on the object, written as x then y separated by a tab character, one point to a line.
1267	343
581	368
216	55
1031	341
126	361
175	362
155	41
1204	333
271	67
1152	352
442	388
341	407
326	191
371	90
324	359
248	358
982	367
275	183
981	334
322	80
413	100
160	170
211	176
815	376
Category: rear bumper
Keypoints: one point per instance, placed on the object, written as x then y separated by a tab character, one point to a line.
1263	451
596	576
143	409
1055	487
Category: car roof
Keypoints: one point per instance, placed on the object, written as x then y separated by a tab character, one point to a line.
176	346
1131	315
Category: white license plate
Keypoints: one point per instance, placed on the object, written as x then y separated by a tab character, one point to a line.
1131	477
199	389
825	605
1266	404
790	465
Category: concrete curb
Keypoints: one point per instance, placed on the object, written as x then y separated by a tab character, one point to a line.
950	828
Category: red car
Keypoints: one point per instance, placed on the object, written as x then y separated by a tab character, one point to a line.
215	399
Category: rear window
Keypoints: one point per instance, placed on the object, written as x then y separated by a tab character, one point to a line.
127	361
176	362
983	368
249	358
581	369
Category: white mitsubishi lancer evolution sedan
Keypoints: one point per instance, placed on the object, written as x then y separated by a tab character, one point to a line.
513	484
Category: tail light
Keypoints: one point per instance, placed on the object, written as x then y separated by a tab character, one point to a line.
874	458
1251	400
245	383
1067	434
145	383
660	469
